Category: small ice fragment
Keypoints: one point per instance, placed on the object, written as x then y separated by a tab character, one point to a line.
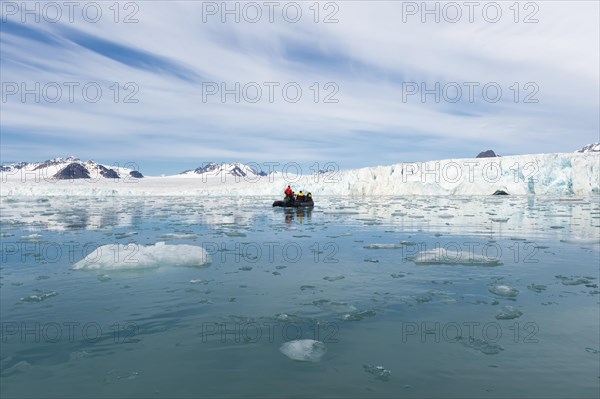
304	350
508	313
125	235
574	280
481	345
39	298
379	372
383	246
536	287
581	241
333	278
32	237
178	236
358	315
504	290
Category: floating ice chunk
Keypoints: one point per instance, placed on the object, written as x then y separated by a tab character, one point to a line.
358	315
379	372
234	234
304	350
407	243
179	236
39	298
125	235
336	307
383	246
504	290
133	256
537	287
289	318
574	280
115	375
582	241
508	313
481	345
440	256
333	278
32	237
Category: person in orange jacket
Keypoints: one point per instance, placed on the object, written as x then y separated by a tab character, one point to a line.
289	194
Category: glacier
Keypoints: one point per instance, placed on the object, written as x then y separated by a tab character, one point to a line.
560	174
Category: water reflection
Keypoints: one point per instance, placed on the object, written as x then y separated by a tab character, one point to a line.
297	214
489	216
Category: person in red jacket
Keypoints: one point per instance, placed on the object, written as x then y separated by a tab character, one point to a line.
288	192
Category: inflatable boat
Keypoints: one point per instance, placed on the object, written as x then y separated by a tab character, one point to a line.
292	203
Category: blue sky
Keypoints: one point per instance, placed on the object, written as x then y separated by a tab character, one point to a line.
158	107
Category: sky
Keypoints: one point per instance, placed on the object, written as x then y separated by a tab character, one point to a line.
172	85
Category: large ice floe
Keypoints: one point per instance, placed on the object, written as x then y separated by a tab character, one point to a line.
134	256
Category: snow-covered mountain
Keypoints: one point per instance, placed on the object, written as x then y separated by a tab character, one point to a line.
66	169
223	169
595	147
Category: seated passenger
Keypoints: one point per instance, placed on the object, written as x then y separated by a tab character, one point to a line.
300	197
288	191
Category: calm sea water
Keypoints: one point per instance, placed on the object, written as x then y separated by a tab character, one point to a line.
507	306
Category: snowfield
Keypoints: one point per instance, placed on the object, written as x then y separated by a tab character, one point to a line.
564	174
